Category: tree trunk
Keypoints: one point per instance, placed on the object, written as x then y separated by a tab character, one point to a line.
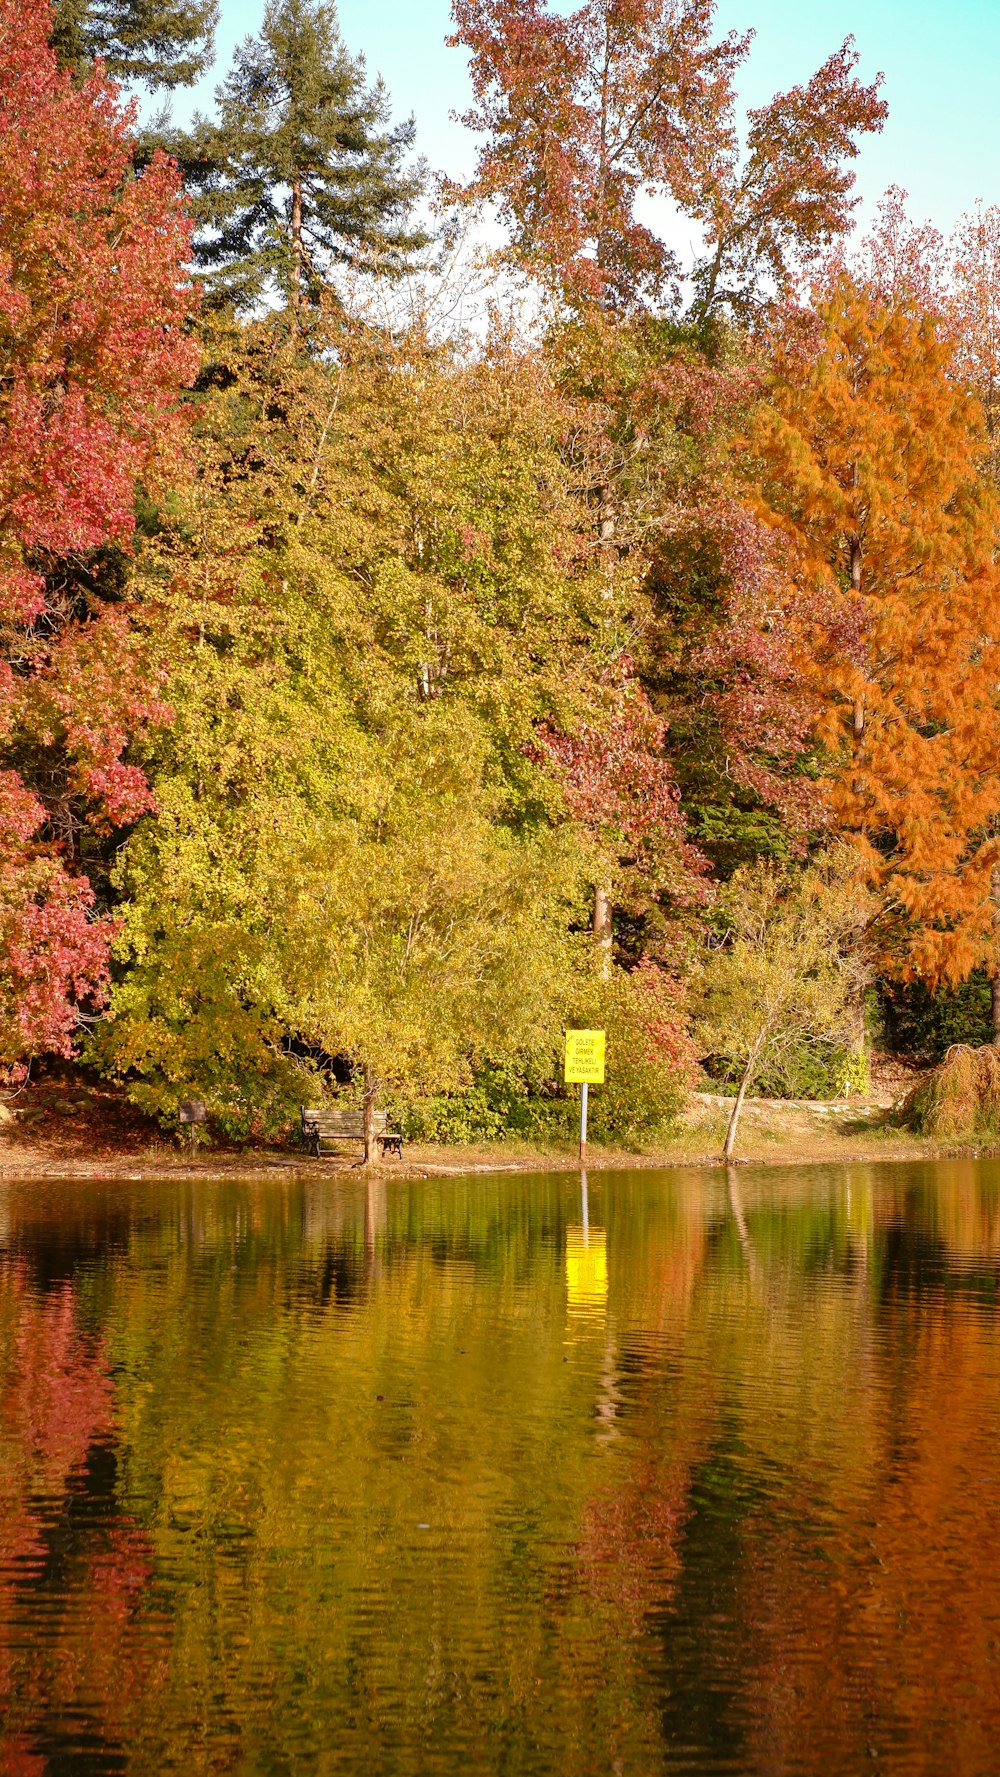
297	278
995	975
371	1093
705	305
727	1152
857	554
602	932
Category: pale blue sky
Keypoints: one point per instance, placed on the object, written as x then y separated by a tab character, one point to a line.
941	64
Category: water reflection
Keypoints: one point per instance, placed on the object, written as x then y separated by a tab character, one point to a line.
691	1471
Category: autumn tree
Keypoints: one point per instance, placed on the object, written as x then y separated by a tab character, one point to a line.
92	313
158	43
777	209
372	597
301	172
580	115
583	114
620	785
788	969
868	456
975	313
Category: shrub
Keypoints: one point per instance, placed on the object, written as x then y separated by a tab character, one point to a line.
649	1070
960	1098
813	1070
925	1025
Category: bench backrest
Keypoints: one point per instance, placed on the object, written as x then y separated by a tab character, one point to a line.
320	1121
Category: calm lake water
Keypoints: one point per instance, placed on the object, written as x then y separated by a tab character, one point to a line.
469	1475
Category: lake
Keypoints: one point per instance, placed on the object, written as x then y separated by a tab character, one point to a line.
670	1473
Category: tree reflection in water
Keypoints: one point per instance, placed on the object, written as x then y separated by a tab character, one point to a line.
695	1469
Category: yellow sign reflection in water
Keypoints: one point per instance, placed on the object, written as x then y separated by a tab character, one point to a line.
586	1269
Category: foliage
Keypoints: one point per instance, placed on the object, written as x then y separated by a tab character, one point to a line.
301	172
868	456
650	1057
162	43
649	1069
812	1068
581	113
791	198
505	1100
654	415
975	317
961	1098
620	785
87	404
584	113
790	967
923	1024
370	599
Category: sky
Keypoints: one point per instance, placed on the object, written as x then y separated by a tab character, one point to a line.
939	57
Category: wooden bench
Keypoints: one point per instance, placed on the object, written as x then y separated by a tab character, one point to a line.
321	1126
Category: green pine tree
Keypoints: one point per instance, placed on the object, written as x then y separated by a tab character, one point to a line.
302	171
160	43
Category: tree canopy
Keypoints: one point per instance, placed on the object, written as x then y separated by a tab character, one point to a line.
158	43
93	308
301	171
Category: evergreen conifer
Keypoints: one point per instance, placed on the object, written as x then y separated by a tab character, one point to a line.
301	172
160	43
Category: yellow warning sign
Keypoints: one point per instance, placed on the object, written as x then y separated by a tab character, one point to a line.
584	1057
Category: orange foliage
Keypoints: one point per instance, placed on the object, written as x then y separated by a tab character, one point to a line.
868	458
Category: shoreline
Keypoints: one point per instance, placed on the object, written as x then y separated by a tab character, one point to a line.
773	1133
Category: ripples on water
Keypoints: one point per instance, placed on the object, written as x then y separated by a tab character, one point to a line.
477	1476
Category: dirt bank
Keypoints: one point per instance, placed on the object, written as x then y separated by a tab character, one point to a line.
61	1130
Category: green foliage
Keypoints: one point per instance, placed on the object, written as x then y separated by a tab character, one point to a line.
649	1060
813	1069
355	854
198	1015
924	1025
162	43
647	1075
790	970
301	172
506	1101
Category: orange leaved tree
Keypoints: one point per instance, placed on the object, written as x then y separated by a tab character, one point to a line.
868	458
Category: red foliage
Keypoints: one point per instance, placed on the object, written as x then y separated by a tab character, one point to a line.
93	305
751	661
791	197
585	112
668	1042
618	782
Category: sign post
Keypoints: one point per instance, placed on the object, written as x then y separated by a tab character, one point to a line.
191	1111
584	1067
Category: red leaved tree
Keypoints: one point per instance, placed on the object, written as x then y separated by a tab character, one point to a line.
93	307
619	784
584	115
791	195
